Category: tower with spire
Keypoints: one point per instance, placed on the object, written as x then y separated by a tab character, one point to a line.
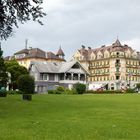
60	53
117	43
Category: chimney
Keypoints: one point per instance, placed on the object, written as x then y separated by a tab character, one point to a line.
26	43
102	46
83	47
89	48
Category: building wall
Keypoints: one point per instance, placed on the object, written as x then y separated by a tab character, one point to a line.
104	69
26	61
45	81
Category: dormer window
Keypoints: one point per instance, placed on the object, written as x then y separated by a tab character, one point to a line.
18	56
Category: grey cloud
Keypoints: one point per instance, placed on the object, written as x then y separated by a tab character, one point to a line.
71	23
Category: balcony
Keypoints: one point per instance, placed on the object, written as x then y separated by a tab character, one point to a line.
117	72
117	64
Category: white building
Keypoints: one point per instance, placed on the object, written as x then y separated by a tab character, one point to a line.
49	75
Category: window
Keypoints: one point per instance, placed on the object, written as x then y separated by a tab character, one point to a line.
117	77
127	78
51	77
103	63
45	76
117	54
117	61
41	76
107	77
117	69
107	62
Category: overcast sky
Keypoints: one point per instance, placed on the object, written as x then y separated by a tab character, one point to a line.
72	23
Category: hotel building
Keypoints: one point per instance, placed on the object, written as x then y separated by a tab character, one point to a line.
115	66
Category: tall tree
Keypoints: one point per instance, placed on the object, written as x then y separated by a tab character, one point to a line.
15	70
14	11
3	74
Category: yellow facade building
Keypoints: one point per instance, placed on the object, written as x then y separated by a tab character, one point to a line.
115	67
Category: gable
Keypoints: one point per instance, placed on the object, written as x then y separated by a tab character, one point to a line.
72	66
77	55
92	56
77	68
128	53
99	55
134	54
106	54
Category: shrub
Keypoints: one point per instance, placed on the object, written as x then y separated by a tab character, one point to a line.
26	84
80	88
60	88
51	92
130	90
137	88
67	91
138	85
54	92
58	92
70	92
12	92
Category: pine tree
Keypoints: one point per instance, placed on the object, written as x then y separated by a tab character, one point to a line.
3	74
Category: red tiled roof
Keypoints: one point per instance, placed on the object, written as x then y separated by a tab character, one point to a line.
22	51
114	47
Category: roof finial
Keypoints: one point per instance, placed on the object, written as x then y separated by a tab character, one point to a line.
60	46
60	52
26	43
117	43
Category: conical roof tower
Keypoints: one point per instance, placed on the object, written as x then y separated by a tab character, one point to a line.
60	53
117	43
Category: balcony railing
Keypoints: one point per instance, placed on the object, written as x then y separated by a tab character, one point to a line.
117	64
118	72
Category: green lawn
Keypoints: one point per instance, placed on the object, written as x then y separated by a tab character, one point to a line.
70	117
